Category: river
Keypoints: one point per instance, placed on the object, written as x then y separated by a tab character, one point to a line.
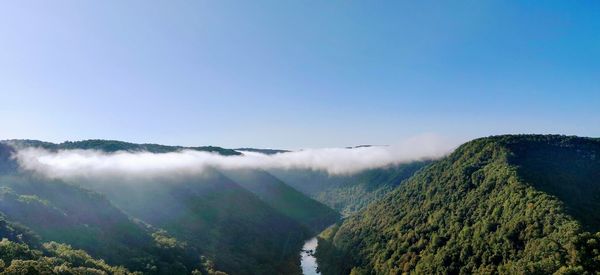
308	262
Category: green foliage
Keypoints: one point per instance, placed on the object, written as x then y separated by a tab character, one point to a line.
357	191
53	258
502	205
209	268
86	220
573	179
162	240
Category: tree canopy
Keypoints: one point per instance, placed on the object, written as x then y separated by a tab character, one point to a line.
499	205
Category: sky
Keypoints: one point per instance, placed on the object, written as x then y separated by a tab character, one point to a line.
297	74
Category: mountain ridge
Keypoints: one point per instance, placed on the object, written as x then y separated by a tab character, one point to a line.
110	146
475	212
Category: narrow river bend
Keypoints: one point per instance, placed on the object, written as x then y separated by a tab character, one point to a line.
308	262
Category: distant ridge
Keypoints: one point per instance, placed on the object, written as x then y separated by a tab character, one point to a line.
364	146
263	151
115	145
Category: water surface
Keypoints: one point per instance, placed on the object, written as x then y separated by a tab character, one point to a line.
308	262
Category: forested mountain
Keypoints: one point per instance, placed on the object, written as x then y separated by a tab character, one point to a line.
83	219
285	199
507	204
166	224
349	193
212	213
57	211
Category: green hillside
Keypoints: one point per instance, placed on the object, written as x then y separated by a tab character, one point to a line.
86	220
236	230
210	212
506	204
285	199
349	193
156	224
22	253
357	191
66	213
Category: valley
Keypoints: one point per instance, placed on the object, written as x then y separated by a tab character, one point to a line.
299	137
496	204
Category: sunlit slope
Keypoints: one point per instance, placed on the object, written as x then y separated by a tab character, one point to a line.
506	204
285	199
240	232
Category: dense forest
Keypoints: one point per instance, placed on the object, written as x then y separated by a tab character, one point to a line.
521	204
21	252
205	223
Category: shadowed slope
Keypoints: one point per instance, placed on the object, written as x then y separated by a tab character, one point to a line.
285	199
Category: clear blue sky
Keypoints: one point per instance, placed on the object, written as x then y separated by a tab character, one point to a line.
292	74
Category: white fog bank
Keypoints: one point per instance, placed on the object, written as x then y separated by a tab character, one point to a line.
84	163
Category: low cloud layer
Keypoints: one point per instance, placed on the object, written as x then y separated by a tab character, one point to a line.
91	163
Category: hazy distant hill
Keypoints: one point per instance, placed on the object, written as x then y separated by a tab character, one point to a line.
285	199
506	204
7	165
262	151
349	193
114	145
